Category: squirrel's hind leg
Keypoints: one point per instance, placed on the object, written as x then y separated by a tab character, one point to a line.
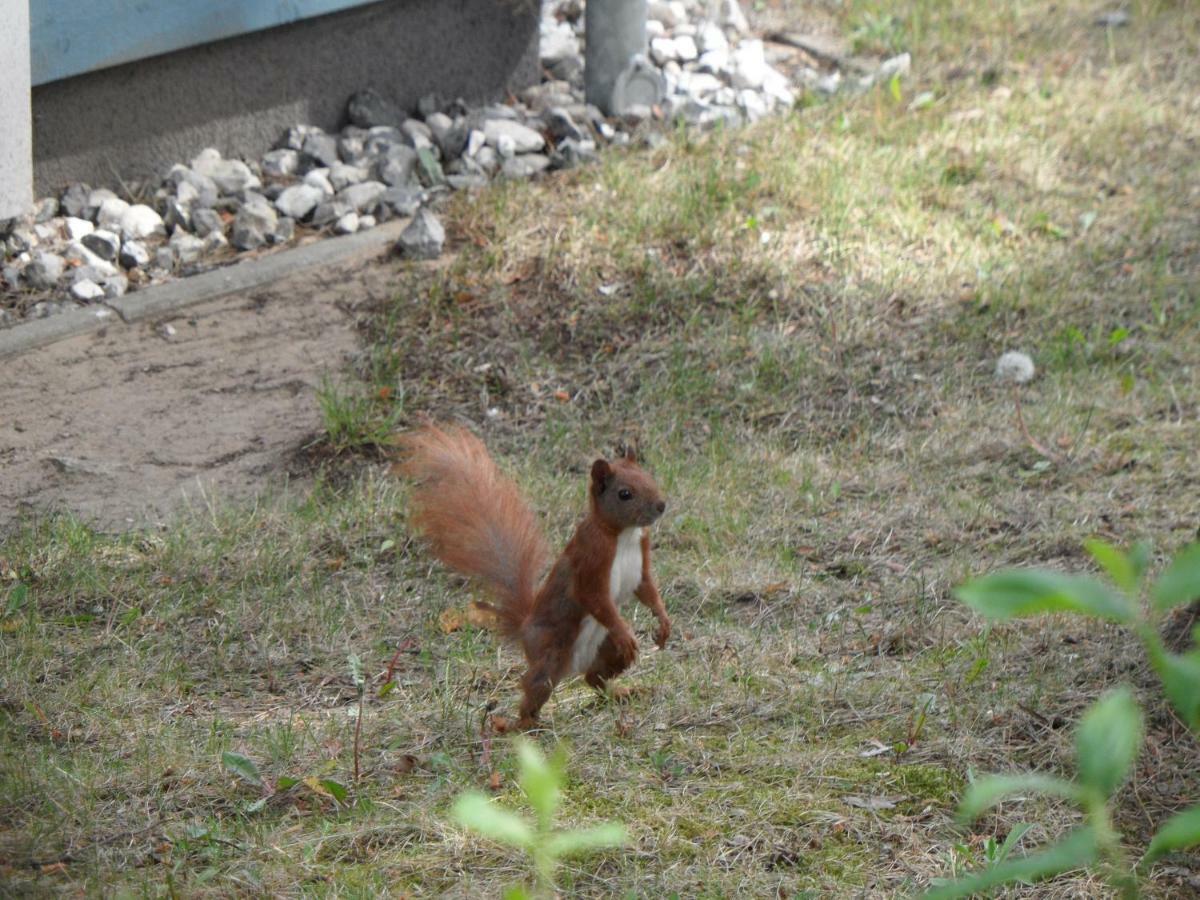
607	665
545	671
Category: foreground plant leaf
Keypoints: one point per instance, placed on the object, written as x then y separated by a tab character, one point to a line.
476	812
1180	583
990	790
243	767
1108	740
1013	593
1179	832
1078	850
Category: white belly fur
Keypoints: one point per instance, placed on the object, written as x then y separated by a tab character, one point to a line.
623	579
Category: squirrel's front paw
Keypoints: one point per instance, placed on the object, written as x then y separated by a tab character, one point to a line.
662	632
625	644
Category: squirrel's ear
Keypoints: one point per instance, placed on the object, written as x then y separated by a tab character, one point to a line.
601	473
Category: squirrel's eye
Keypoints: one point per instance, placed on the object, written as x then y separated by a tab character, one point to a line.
625	494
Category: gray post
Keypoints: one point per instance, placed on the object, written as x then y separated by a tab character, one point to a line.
615	32
16	122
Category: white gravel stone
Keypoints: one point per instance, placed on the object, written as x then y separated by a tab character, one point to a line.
711	37
558	42
731	16
140	222
96	199
254	222
299	200
423	238
78	253
319	178
363	197
115	286
214	241
686	50
366	222
347	224
110	212
187	247
524	138
281	163
342	175
76	228
749	65
231	176
207	221
525	165
134	255
86	290
44	270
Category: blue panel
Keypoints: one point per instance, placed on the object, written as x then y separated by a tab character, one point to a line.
70	37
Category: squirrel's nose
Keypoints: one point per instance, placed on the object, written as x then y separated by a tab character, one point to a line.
662	505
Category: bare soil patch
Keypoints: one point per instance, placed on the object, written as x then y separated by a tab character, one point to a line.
124	425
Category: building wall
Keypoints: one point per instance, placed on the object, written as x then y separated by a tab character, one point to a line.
15	151
132	121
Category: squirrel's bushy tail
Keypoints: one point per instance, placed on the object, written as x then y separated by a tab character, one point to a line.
475	518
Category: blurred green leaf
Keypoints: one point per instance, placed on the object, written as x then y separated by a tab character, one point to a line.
1180	676
476	812
1078	850
1118	565
584	839
991	789
285	782
540	780
1179	832
17	598
243	767
1139	557
1108	740
1180	583
1026	592
336	790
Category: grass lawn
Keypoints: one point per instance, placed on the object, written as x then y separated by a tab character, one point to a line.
798	322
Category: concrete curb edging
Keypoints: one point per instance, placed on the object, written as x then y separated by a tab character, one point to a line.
175	295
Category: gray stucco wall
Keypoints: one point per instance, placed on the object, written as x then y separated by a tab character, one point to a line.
239	95
14	108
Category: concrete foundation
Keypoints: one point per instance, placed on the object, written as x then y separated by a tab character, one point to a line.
15	158
132	121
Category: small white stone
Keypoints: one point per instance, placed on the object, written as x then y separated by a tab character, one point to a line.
749	65
711	37
685	48
320	178
140	221
77	228
347	224
86	290
524	138
110	212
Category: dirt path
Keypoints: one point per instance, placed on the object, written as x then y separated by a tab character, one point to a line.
125	425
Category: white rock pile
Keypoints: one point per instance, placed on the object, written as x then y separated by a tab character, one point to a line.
88	244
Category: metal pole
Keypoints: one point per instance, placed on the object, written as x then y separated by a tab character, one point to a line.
615	32
16	135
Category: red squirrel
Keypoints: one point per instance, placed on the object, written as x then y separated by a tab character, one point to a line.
478	524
